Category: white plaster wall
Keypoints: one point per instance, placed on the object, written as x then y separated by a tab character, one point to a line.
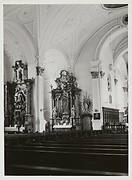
83	75
83	68
32	70
120	96
85	56
82	72
106	59
8	71
118	99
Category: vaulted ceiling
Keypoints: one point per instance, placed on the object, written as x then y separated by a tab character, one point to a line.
31	30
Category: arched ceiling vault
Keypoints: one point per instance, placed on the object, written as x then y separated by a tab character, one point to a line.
122	56
120	47
63	27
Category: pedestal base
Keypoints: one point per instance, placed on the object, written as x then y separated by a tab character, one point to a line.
97	124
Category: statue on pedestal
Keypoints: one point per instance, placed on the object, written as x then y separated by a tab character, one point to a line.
73	111
54	113
73	115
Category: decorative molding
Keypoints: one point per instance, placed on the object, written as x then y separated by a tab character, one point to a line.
122	45
65	80
114	29
125	19
26	14
96	74
111	25
114	6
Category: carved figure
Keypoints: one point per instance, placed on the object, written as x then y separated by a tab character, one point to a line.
54	112
73	112
109	82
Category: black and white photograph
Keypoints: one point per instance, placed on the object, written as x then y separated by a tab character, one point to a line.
65	89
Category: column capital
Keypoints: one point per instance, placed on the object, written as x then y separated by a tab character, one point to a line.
39	70
96	69
95	74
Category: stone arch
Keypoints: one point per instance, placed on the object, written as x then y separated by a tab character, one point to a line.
121	48
98	33
111	46
110	35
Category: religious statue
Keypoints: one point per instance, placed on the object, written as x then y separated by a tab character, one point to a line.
73	112
54	112
65	104
19	69
109	82
20	75
20	99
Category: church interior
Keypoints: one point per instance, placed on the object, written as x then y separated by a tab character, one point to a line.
66	89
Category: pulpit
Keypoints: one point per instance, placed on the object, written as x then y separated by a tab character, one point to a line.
66	103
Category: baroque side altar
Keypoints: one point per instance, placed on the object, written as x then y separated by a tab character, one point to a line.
18	99
65	102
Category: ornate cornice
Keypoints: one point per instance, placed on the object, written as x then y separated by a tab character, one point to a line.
122	45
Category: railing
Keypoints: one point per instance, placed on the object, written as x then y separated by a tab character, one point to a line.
115	128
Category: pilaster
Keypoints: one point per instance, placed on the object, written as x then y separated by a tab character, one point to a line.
97	74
